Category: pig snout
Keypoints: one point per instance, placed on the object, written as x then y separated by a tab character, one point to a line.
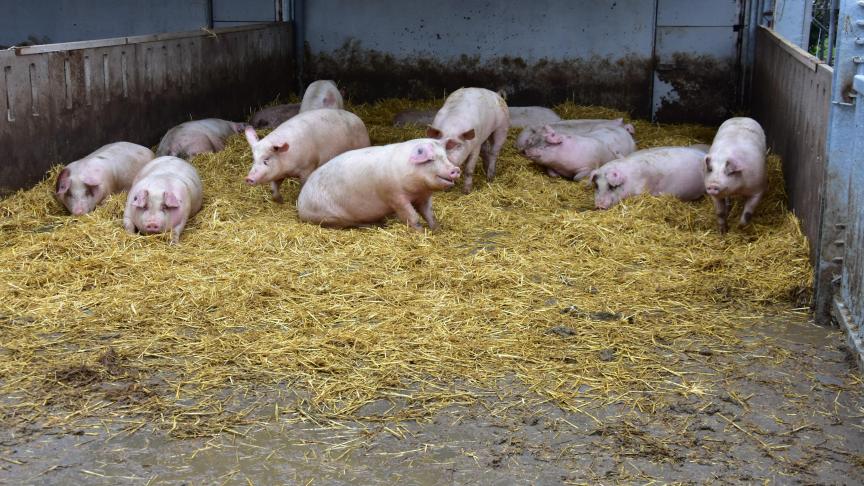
713	189
78	210
250	180
152	226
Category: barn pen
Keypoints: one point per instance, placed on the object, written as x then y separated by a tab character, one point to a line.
532	339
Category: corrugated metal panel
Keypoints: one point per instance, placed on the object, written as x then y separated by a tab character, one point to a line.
791	99
65	100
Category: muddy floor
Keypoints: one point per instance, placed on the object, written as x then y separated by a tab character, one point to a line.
789	412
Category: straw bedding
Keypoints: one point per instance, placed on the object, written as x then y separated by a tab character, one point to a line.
255	314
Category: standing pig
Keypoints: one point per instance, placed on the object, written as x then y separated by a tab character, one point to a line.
197	137
165	194
575	156
469	118
663	170
85	183
321	94
735	166
273	116
365	186
302	144
533	134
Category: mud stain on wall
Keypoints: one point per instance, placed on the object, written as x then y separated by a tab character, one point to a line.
368	75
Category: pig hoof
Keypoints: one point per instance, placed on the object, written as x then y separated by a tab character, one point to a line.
745	218
278	199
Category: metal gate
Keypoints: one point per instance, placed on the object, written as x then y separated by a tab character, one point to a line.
703	79
840	275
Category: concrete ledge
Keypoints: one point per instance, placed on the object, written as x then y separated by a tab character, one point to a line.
841	314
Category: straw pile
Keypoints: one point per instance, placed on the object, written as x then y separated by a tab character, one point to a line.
255	314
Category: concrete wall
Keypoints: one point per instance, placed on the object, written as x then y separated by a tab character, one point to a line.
544	51
50	21
792	99
61	101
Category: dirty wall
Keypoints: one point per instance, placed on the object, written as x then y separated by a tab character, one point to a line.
59	102
591	51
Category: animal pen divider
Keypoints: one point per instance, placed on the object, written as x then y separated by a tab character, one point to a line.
60	101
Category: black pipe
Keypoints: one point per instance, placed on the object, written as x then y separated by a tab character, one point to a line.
299	20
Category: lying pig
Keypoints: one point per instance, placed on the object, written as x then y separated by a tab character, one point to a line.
575	156
273	116
197	137
413	117
531	116
735	166
321	94
302	144
520	116
663	170
165	194
85	183
469	118
533	135
365	186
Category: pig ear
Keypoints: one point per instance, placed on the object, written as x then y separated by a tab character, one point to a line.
421	154
280	148
469	135
433	132
170	199
732	167
553	138
62	182
251	136
593	178
90	179
241	127
139	200
707	160
451	144
614	177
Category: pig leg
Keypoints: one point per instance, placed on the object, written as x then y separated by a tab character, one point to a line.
582	174
721	210
425	208
497	139
176	230
469	171
274	188
750	208
129	226
406	212
552	173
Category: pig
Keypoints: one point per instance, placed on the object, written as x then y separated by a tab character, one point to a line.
531	116
273	116
85	183
575	156
532	135
469	119
520	116
321	94
197	137
302	144
735	166
662	170
165	194
364	186
413	117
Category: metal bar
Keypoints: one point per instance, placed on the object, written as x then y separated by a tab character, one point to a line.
832	31
841	157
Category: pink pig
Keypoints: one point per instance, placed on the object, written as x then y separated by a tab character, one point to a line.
302	144
575	156
165	194
735	166
364	186
321	94
273	116
469	119
85	183
197	137
533	134
662	170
